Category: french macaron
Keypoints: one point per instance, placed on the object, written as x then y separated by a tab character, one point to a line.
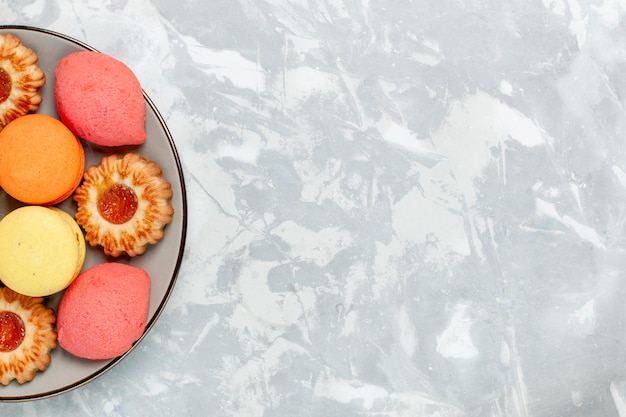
41	161
104	311
42	250
100	99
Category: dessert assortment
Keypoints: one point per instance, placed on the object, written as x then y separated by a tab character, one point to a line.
123	205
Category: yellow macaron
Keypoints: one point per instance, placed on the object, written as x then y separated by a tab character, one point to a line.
42	250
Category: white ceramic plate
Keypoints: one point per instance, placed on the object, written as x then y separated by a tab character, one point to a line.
162	261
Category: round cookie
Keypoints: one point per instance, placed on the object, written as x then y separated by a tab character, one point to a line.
27	336
20	79
124	204
42	250
104	311
41	160
100	99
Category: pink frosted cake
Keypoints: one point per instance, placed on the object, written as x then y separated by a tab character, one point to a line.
100	99
104	311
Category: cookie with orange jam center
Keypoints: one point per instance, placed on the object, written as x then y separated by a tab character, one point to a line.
27	336
124	204
20	79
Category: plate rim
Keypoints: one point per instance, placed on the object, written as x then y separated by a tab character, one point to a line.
182	244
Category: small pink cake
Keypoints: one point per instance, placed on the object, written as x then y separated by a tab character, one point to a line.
104	311
100	99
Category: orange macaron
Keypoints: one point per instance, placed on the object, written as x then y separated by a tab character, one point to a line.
41	161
